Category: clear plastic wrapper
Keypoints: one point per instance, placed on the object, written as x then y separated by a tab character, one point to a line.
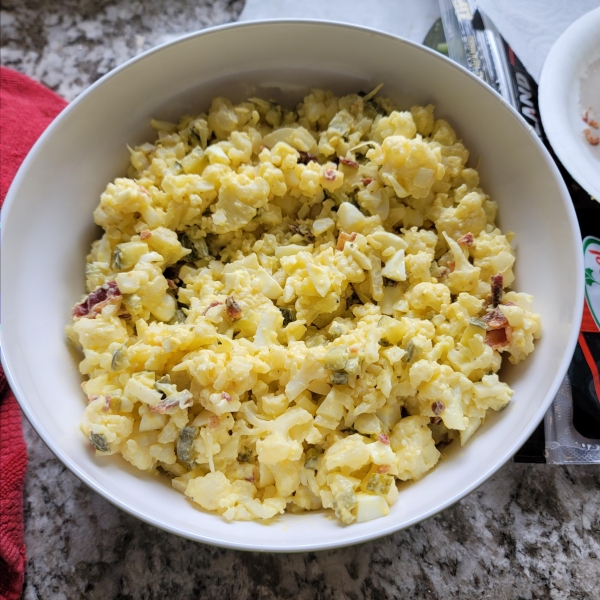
564	444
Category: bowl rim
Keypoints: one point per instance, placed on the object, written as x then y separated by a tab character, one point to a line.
355	539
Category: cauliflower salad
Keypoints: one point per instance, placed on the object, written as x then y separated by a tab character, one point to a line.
291	310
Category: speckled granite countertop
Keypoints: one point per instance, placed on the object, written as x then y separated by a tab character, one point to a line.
531	532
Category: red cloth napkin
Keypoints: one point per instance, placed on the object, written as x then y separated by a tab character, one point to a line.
26	109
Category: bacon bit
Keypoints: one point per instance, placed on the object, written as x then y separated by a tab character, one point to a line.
306	157
592	122
466	239
226	396
349	162
498	338
499	333
384	439
451	265
444	272
146	234
592	139
437	407
354	349
383	468
495	319
211	305
233	308
80	310
329	174
213	421
366	180
343	238
106	406
497	288
171	284
92	398
162	407
106	294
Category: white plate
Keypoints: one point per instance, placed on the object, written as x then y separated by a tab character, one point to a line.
570	85
48	227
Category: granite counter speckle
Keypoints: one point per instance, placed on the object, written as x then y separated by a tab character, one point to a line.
530	532
68	44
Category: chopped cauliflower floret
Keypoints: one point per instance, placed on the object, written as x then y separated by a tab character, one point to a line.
415	449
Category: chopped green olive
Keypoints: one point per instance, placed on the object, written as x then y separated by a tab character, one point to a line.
374	109
202	248
475	327
119	360
99	442
412	353
198	247
336	358
379	483
338	378
117	259
186	242
343	505
245	455
288	316
478	323
337	329
312	459
353	366
184	443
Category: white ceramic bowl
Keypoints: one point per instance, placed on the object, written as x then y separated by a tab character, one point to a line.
48	227
570	85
